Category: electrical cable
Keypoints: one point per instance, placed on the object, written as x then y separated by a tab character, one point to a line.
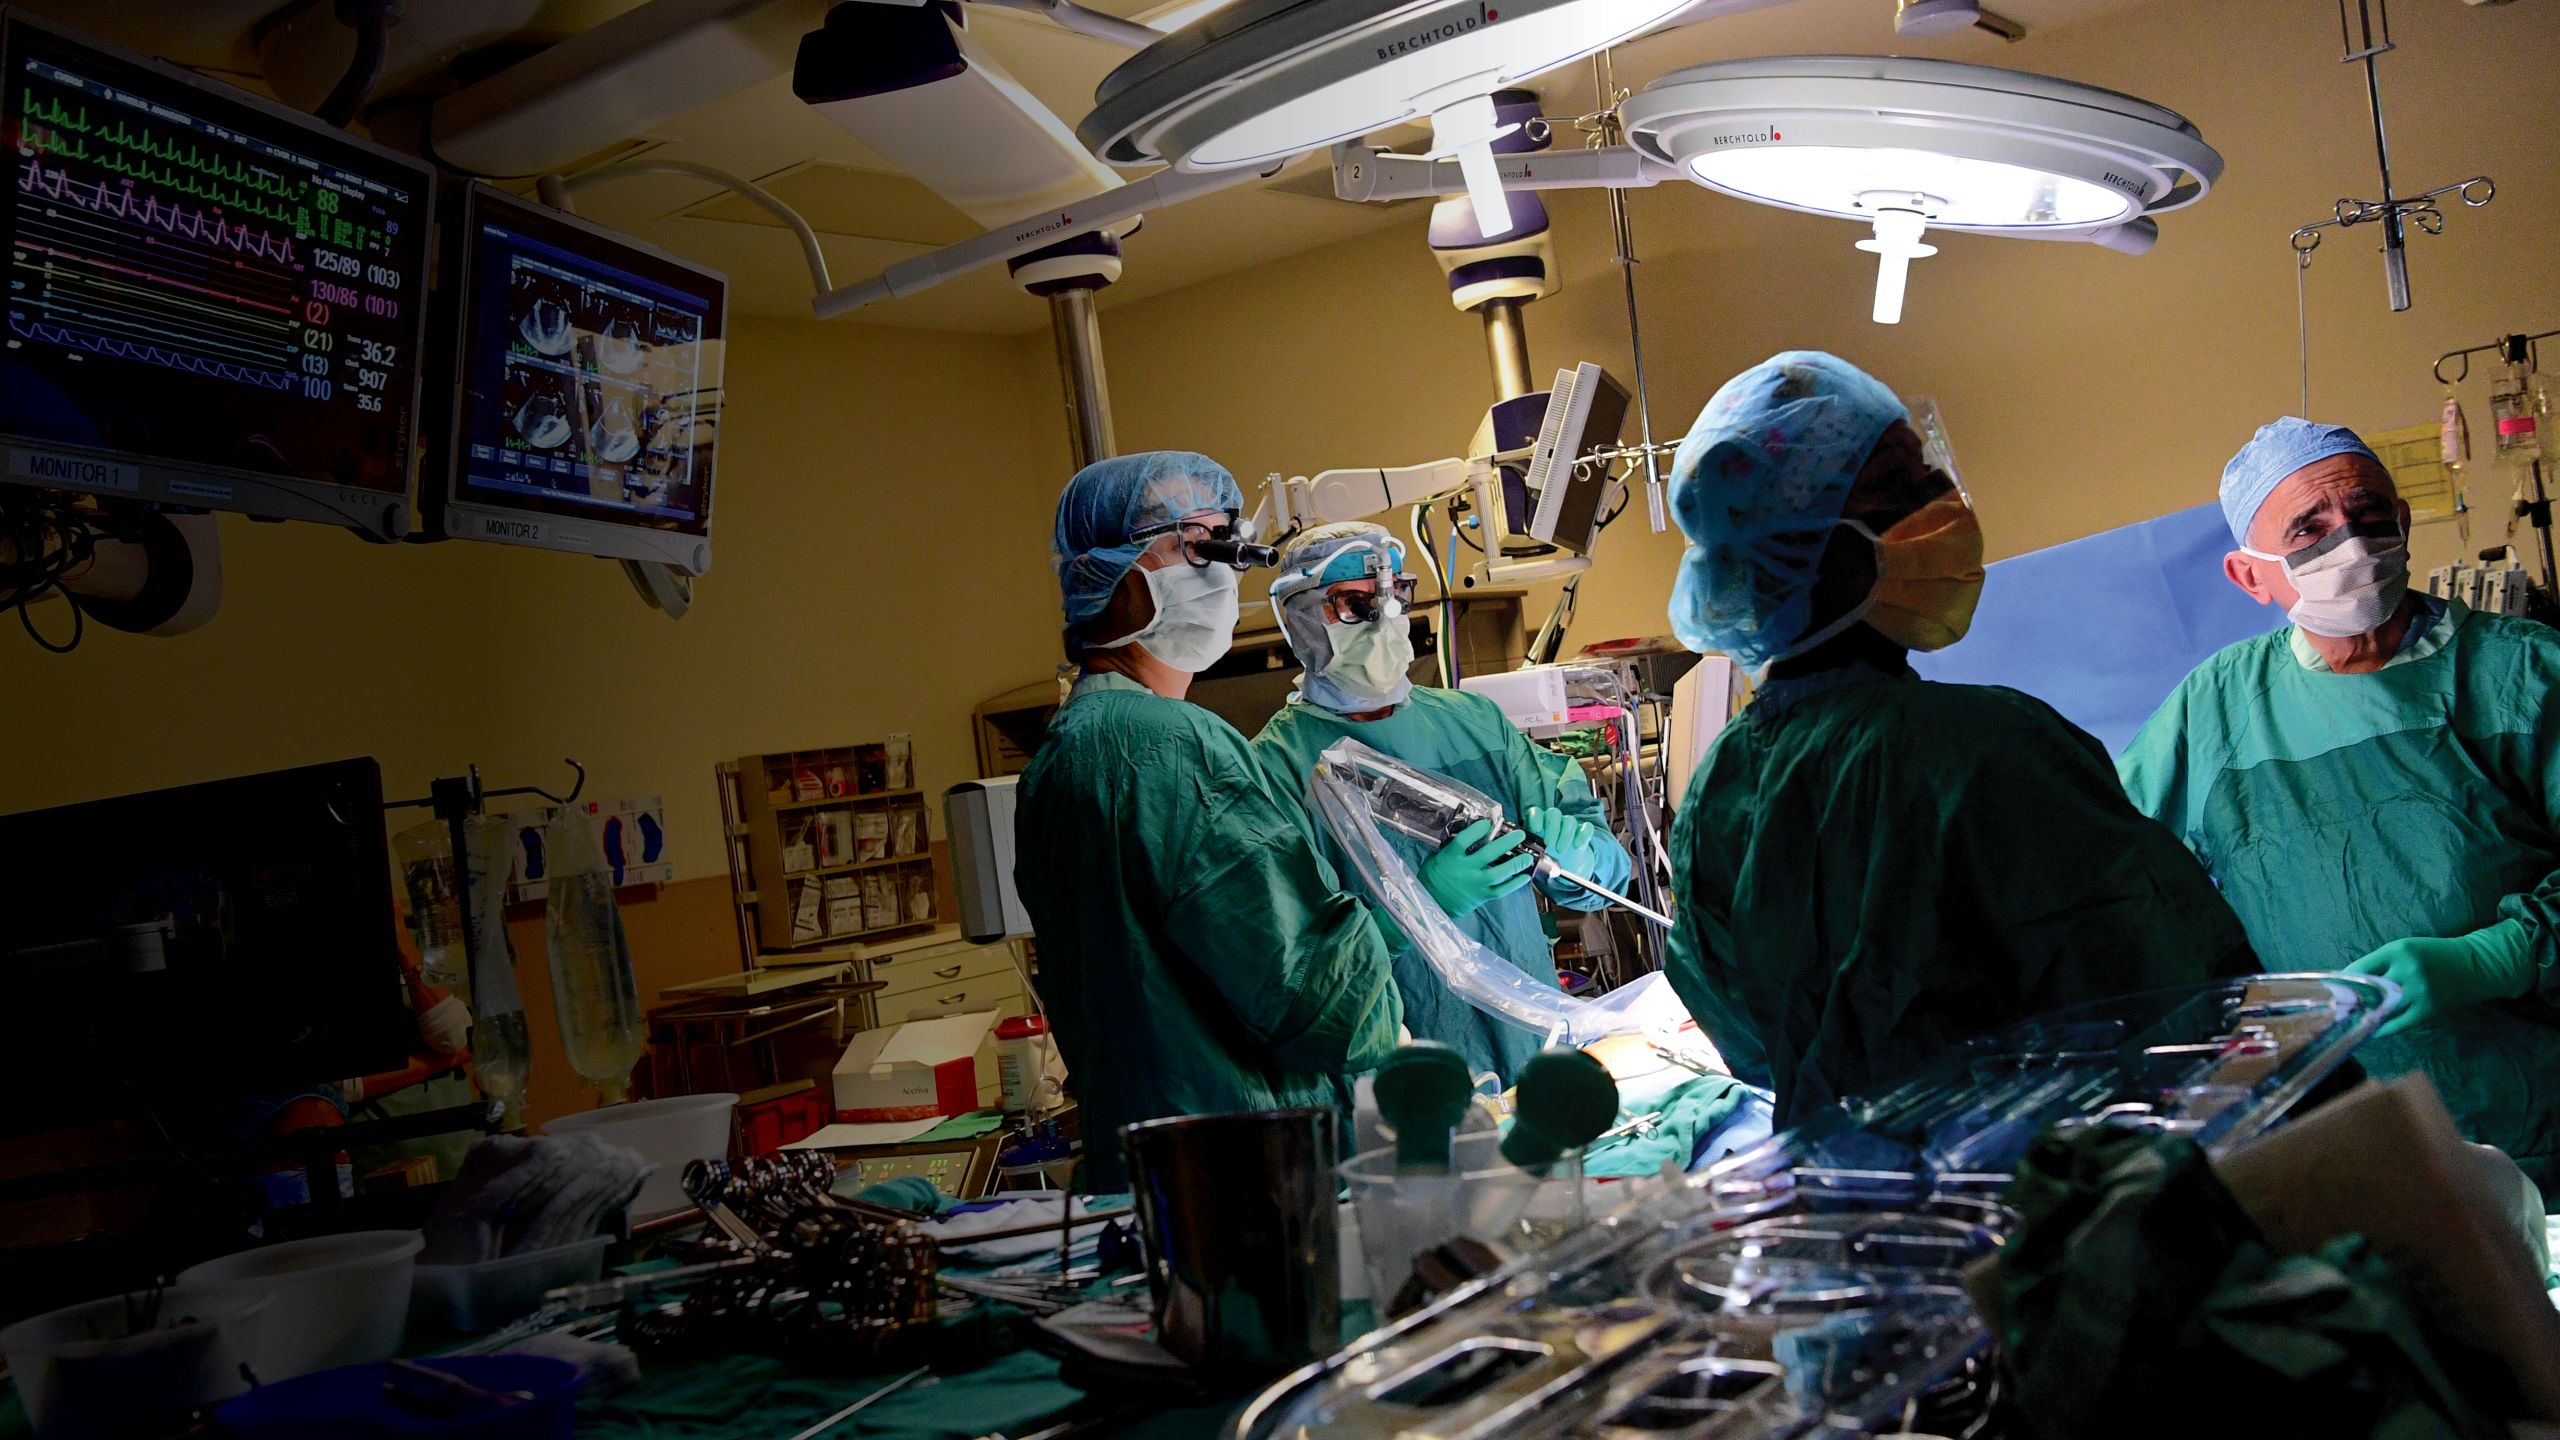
50	538
372	21
1420	521
1449	609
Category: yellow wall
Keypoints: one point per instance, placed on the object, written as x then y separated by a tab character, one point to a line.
877	512
2085	389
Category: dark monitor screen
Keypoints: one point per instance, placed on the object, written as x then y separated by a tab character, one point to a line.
588	386
211	300
229	939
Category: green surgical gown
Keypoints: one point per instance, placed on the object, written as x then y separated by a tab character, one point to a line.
1196	956
1467	738
1886	867
2342	812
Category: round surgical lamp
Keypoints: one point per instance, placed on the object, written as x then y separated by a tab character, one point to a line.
1264	80
1910	146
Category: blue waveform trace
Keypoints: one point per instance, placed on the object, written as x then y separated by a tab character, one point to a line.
116	349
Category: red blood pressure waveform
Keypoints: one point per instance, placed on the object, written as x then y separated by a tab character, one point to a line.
124	202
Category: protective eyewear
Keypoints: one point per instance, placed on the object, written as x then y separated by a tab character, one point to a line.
1359	607
1204	544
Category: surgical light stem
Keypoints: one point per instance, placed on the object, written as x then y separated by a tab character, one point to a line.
1896	245
1466	130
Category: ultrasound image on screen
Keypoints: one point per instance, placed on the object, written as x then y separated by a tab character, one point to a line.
591	372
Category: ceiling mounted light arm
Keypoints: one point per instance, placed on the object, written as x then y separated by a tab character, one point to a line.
1093	24
1363	174
1033	232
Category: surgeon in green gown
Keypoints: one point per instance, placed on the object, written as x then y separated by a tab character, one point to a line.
1341	597
1196	954
1873	868
2377	786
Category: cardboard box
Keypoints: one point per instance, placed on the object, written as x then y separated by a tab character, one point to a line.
916	1070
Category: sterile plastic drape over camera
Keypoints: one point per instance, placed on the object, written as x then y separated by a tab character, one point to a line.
1361	796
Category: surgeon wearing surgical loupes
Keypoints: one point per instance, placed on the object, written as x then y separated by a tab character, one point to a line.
1873	868
1341	596
2377	786
1196	954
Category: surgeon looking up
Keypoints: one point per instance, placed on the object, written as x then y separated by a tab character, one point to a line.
1196	956
1873	868
1341	595
2377	786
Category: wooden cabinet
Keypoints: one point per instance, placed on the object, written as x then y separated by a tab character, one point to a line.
828	847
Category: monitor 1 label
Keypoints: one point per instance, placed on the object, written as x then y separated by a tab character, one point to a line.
73	472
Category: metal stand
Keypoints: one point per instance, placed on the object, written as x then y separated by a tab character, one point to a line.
2368	44
456	800
2515	349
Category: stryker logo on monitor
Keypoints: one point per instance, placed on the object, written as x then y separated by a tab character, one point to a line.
497	529
78	472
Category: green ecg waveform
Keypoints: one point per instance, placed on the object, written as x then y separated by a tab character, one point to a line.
207	184
53	112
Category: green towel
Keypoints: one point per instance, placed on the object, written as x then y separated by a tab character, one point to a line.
2136	1299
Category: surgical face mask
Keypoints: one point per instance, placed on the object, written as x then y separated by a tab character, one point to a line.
1195	621
445	1025
1928	574
1928	579
1371	664
2349	581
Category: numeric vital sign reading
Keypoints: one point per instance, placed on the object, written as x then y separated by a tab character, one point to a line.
198	278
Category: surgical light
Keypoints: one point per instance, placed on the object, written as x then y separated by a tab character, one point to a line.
1910	146
1263	80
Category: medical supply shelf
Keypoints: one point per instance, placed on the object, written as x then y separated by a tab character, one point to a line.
827	846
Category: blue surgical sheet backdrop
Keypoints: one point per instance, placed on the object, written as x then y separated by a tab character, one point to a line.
2102	629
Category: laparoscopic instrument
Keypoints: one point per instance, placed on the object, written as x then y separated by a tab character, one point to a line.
1430	809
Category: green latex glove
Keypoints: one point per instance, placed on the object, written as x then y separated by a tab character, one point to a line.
1572	842
1474	867
2439	976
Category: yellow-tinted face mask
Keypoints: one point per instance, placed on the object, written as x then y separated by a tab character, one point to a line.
1928	574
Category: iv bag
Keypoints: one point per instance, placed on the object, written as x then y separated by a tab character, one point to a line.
501	1047
1361	796
592	989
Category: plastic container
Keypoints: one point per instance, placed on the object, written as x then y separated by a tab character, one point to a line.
472	1299
351	1404
669	1134
84	1372
1020	1061
339	1299
1482	1198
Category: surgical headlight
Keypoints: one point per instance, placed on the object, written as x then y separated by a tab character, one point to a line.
1230	544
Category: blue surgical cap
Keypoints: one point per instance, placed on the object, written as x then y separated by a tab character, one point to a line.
1331	554
2278	449
1109	500
1757	487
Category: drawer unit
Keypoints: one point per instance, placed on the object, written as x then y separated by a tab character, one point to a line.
940	968
1000	991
